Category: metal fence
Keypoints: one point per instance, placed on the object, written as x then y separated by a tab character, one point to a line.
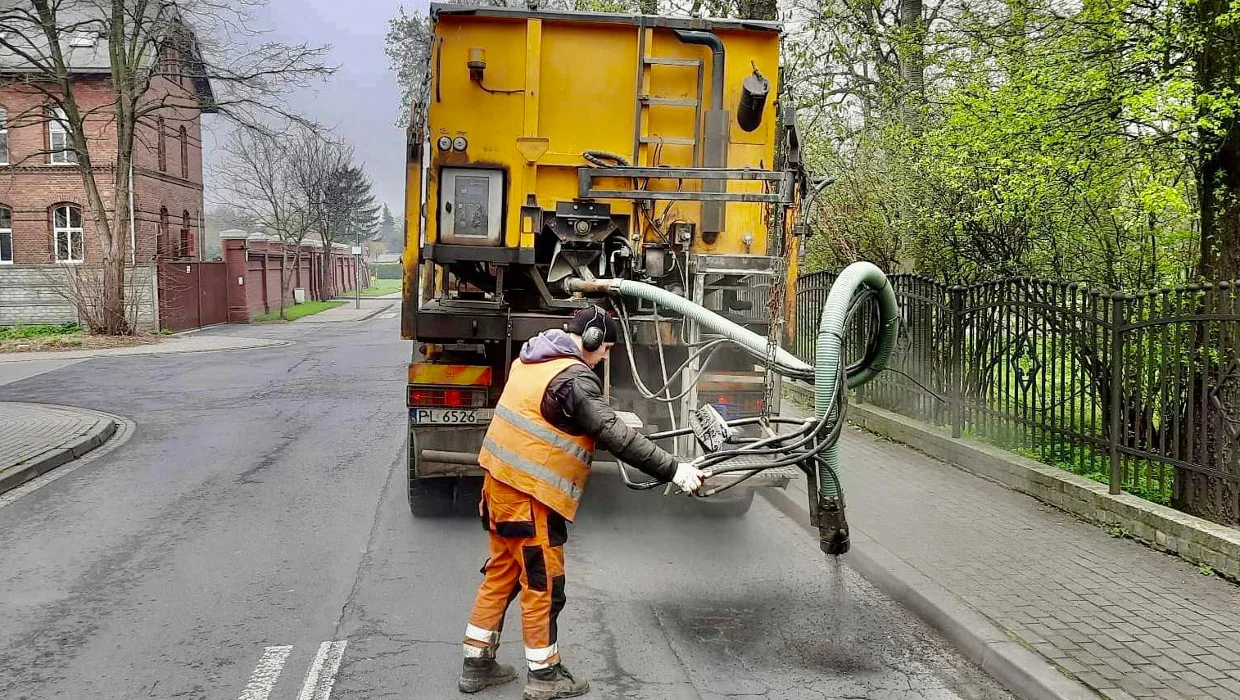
1138	391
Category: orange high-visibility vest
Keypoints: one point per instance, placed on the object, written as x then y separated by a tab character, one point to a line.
529	454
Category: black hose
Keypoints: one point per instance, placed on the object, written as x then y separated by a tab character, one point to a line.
722	456
715	44
605	159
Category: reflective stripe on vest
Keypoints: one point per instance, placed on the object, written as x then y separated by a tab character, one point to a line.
545	434
530	454
537	471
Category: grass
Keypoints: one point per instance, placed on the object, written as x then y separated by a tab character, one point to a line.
22	332
297	311
377	289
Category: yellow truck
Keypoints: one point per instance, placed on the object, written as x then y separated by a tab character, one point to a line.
554	145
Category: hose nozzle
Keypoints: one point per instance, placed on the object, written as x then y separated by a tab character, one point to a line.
832	527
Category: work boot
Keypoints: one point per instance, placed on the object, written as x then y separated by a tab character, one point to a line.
477	674
554	682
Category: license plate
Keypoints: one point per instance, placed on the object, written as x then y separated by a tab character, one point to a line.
448	416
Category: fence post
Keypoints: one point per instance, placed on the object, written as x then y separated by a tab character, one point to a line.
956	370
1118	304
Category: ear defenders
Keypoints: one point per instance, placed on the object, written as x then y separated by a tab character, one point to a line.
592	337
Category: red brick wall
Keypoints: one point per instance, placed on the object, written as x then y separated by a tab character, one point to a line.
31	187
245	259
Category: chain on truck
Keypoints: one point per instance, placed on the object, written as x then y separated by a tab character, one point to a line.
555	155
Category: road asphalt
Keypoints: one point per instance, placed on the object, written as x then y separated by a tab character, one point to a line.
251	540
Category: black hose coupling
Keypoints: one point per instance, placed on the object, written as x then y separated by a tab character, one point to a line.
832	527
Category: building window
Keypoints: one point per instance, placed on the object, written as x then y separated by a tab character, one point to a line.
161	146
4	137
67	231
170	62
187	241
184	154
59	145
162	236
6	236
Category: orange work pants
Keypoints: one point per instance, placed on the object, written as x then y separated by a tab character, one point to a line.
526	561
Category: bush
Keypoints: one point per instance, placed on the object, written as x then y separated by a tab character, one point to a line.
388	271
37	330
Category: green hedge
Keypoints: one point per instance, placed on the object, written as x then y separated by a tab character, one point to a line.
387	271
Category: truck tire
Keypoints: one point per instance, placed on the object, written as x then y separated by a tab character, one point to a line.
429	497
468	493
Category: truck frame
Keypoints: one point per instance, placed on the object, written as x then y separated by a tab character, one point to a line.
554	145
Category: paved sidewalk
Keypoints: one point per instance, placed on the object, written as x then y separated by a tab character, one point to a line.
1126	621
36	438
173	344
346	312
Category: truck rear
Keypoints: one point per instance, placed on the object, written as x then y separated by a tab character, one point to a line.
550	145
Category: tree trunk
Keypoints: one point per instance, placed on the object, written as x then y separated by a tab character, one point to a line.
286	276
1218	176
912	52
325	287
108	316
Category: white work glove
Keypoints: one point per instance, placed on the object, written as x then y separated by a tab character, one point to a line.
688	477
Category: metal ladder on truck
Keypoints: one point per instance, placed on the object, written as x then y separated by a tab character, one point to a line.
643	140
645	150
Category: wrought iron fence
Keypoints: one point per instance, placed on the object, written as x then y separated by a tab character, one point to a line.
1137	391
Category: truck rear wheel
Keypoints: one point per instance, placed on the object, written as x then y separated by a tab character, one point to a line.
429	497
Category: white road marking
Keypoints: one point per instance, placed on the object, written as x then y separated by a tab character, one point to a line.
322	674
266	673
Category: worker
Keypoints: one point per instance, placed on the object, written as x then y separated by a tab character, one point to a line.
536	455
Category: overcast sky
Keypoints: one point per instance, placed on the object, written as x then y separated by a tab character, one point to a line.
361	100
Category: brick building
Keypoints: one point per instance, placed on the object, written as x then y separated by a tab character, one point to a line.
44	213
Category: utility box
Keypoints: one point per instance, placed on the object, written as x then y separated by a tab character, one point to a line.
299	295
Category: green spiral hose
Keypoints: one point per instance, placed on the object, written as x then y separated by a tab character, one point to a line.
829	351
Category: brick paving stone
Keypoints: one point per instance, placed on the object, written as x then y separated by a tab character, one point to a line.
29	430
1072	665
1179	655
1111	606
1206	672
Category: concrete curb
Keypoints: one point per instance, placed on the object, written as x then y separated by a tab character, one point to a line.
1018	669
94	438
376	312
168	348
367	317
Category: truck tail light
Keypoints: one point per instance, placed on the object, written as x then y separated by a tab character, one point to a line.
447	397
738	405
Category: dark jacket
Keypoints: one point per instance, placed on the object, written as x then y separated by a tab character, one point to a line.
574	403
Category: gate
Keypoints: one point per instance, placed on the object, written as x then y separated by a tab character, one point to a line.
192	294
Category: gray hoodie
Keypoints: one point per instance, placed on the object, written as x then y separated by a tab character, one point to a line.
549	345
